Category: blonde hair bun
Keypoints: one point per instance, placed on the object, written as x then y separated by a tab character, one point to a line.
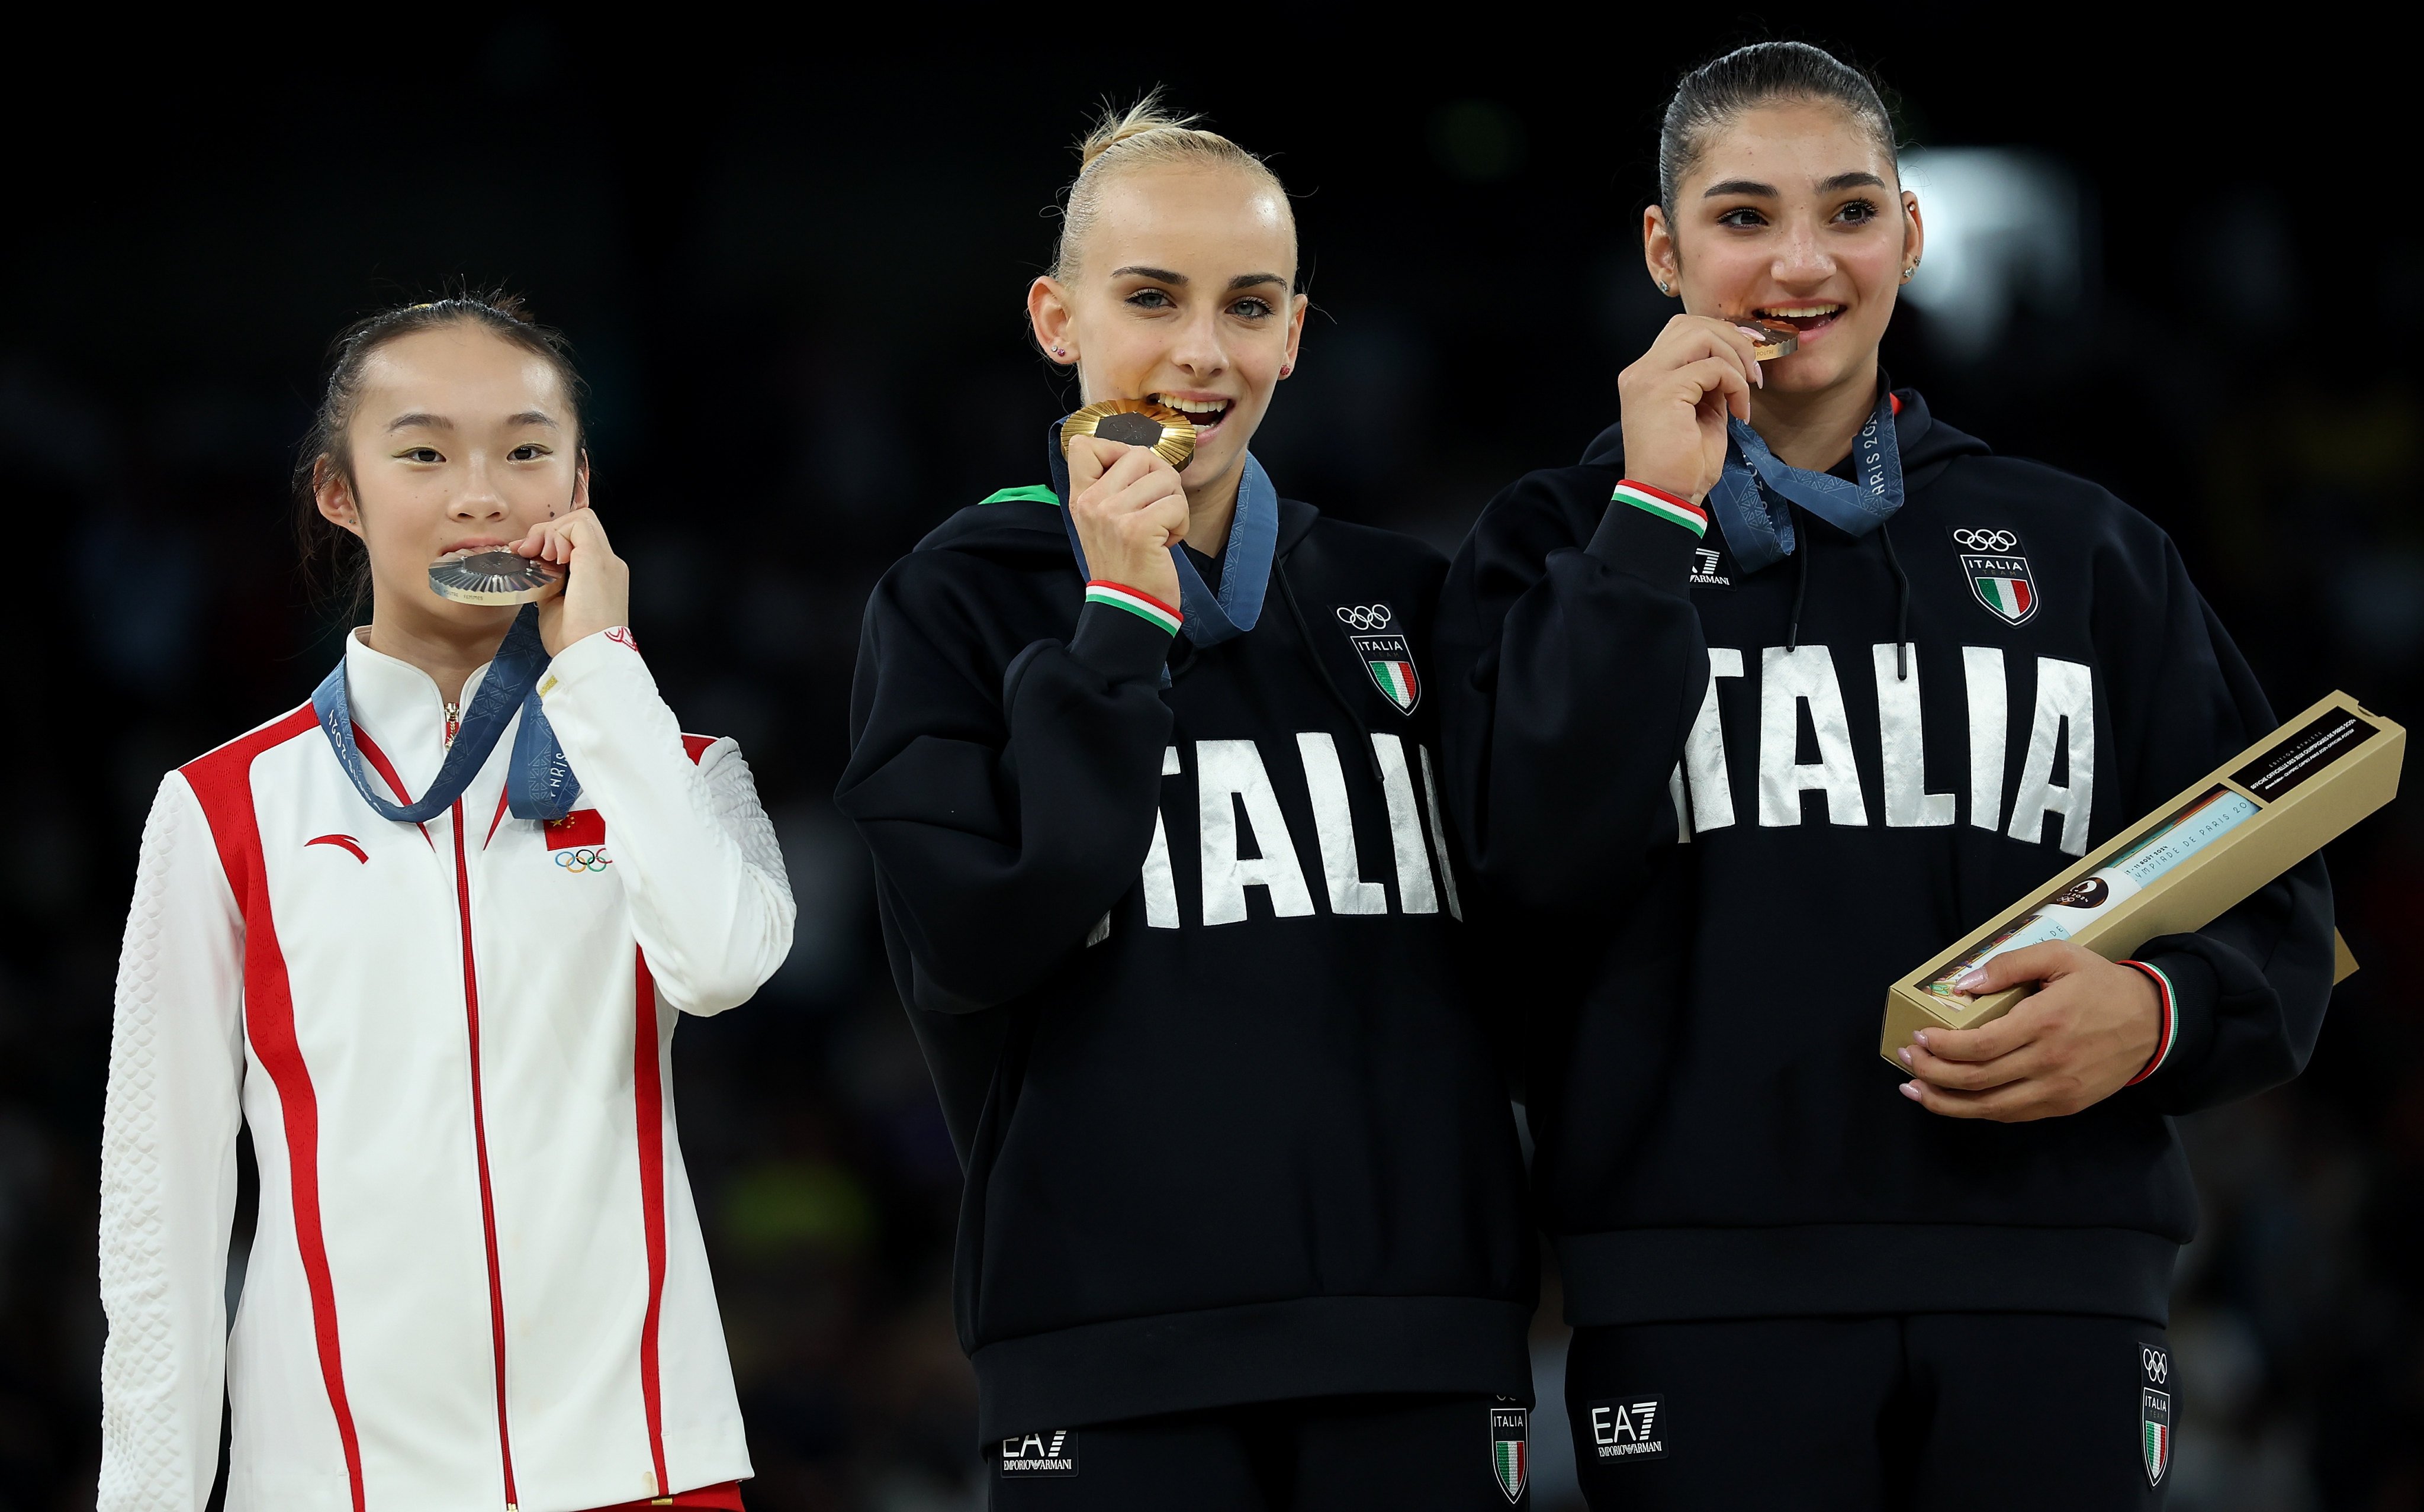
1147	116
1147	134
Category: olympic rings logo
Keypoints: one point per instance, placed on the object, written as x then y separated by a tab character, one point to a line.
585	859
2158	1364
1985	540
1366	617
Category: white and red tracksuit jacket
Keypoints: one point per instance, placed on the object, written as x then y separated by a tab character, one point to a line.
478	1278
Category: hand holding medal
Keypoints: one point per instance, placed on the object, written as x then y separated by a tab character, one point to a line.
1125	497
596	583
540	569
1679	395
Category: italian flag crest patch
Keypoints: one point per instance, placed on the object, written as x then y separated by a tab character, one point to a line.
2154	1422
1997	572
1508	1459
1389	658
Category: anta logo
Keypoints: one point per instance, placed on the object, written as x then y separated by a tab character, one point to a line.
1039	1454
1389	658
1244	839
342	842
577	842
1801	738
1627	1428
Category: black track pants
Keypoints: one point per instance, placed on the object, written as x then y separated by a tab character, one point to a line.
1982	1412
1345	1454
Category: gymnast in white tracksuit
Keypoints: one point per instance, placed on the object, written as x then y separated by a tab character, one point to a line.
428	936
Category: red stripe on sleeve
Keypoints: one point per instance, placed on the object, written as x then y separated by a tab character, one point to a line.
648	1108
223	783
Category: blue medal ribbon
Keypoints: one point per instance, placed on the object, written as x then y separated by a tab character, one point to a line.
538	780
1245	564
1751	500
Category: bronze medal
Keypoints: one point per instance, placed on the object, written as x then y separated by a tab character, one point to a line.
493	575
1135	423
1773	338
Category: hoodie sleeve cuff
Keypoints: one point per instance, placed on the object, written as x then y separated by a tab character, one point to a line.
1651	535
609	653
2186	989
1123	634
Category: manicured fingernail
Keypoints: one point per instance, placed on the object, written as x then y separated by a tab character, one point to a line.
1903	1054
1971	982
1910	1090
1918	1038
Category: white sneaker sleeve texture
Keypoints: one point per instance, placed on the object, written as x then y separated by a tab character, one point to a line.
169	1168
710	904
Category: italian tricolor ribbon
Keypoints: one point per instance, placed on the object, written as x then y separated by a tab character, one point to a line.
1662	504
2167	1031
1143	605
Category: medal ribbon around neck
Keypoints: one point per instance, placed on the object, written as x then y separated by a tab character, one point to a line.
1751	498
538	781
1245	564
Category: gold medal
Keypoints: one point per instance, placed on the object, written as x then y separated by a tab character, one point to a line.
1773	338
493	575
1135	423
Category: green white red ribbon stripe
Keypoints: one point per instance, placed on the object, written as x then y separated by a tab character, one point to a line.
1143	605
2166	1035
1662	504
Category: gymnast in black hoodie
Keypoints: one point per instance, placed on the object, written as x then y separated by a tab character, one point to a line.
1150	771
1788	686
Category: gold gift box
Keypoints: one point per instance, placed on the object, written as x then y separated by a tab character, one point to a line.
2181	866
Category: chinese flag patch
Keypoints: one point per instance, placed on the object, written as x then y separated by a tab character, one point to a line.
582	826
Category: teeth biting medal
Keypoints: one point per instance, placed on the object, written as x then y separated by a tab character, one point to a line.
1773	338
493	575
1135	423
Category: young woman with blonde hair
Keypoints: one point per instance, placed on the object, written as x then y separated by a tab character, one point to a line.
1146	763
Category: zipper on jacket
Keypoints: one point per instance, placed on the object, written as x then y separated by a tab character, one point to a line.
454	722
480	1135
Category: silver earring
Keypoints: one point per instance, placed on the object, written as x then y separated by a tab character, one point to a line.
1908	271
1666	288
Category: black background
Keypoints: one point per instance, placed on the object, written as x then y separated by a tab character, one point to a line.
792	255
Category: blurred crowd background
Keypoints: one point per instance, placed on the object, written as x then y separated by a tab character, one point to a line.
793	258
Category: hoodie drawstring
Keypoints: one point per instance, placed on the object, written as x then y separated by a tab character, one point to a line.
1902	608
1800	592
1902	602
1304	638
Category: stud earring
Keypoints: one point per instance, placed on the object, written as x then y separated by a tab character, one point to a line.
1063	351
1908	271
1666	288
1287	368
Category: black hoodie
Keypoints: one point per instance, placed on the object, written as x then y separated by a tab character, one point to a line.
1717	1136
1233	1130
